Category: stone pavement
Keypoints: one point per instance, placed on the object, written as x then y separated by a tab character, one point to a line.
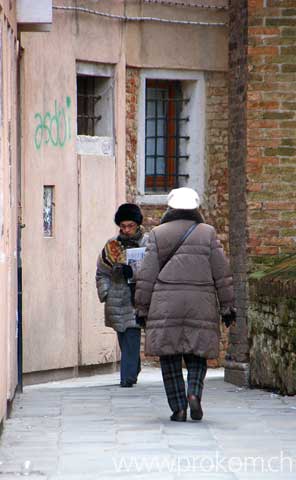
91	429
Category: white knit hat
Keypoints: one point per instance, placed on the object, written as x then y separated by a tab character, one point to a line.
184	198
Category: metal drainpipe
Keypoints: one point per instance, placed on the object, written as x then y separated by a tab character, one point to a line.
19	229
19	315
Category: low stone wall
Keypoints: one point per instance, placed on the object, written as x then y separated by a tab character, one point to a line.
272	334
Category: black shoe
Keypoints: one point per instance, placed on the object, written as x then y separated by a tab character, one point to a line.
196	412
179	416
126	384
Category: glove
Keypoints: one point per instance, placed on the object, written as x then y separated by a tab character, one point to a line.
141	321
132	287
229	318
122	269
127	271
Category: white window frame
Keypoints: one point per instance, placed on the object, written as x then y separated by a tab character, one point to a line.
196	147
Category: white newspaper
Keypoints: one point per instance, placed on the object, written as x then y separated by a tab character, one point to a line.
134	257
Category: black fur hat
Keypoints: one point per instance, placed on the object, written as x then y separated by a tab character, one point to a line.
128	211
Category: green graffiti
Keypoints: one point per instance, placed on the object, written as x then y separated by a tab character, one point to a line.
54	129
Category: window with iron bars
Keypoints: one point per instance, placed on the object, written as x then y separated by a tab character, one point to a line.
87	105
165	135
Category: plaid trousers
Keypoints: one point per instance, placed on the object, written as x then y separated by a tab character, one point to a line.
171	369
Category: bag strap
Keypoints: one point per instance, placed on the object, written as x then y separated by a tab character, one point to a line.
178	245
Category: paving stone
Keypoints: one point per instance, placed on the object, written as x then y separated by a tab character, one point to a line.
206	476
94	437
78	429
20	476
266	476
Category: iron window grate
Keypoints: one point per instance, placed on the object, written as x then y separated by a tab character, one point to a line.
87	105
164	135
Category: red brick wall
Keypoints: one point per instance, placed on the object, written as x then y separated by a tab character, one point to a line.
262	147
271	123
215	207
132	97
238	73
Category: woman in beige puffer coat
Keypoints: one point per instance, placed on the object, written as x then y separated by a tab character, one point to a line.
183	299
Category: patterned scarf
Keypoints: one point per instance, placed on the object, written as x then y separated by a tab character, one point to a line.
114	250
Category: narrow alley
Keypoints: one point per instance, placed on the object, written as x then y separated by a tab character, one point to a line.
90	429
104	102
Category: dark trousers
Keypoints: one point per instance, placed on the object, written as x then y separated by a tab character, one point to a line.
171	368
130	365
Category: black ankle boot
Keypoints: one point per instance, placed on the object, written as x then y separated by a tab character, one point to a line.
196	412
126	384
179	416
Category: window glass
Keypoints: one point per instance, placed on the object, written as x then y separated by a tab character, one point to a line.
163	134
48	211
